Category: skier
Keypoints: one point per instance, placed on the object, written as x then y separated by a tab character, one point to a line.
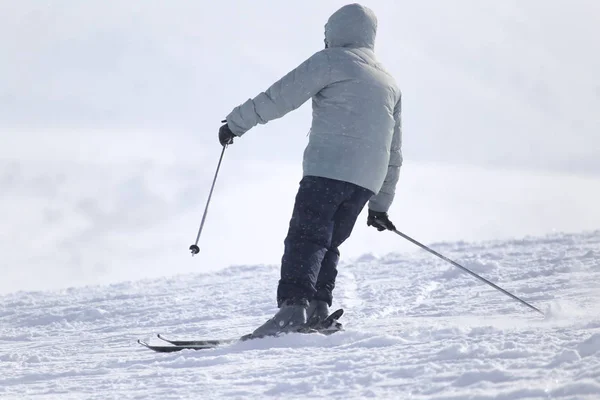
353	157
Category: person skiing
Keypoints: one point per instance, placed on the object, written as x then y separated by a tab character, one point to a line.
353	157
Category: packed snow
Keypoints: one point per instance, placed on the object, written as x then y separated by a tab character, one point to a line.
416	328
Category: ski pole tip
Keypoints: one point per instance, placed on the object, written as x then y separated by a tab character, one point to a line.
194	249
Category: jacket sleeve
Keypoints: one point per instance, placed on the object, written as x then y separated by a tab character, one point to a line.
285	95
383	200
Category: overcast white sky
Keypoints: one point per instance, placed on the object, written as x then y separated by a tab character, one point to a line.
109	112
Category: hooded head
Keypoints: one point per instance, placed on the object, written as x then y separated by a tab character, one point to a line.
353	25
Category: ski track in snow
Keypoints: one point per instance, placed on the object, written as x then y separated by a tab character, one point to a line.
417	328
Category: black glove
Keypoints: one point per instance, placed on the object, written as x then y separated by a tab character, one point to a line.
225	135
380	221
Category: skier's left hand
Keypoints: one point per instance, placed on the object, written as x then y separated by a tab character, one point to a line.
225	135
380	221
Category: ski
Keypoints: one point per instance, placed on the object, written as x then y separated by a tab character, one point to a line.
200	343
171	348
329	326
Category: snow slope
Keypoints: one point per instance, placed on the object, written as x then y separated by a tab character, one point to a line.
417	328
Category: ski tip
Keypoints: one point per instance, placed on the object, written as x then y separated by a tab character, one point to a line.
161	337
336	314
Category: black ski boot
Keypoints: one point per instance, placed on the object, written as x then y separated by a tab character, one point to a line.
291	317
316	313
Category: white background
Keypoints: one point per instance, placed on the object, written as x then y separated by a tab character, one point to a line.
109	113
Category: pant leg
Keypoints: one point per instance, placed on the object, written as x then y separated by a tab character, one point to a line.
344	221
309	236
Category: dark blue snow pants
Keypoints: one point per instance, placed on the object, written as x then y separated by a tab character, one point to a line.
324	215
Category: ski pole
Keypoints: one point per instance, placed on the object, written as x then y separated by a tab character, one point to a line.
435	253
194	248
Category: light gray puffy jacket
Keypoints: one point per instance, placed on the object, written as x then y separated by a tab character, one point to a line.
356	126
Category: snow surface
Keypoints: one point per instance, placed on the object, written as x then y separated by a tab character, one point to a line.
416	328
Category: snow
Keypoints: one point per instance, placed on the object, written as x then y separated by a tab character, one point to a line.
416	328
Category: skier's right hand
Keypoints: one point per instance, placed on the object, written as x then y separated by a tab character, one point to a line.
380	221
225	135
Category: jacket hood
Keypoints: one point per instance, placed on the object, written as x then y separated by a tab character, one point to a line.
353	25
